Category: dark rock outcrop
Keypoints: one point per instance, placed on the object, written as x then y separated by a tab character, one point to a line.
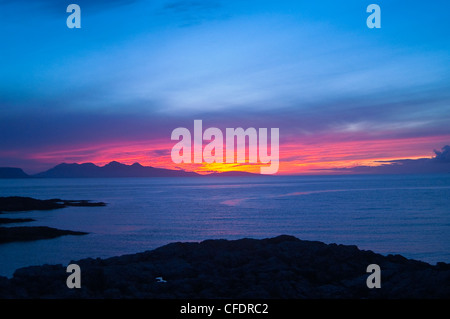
15	220
14	234
278	268
17	204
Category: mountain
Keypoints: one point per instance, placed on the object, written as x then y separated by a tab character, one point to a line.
113	169
12	172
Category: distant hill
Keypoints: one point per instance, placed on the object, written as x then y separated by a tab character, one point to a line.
12	172
232	174
113	169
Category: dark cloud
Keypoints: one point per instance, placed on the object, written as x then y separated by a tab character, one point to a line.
40	129
160	153
438	164
443	156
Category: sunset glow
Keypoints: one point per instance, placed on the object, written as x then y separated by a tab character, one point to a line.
341	94
295	158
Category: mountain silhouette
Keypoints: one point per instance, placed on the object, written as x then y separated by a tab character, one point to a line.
12	172
113	169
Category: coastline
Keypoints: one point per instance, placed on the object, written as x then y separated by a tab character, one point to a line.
31	233
282	267
14	204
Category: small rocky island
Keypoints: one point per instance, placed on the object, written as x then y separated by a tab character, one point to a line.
27	233
14	234
18	204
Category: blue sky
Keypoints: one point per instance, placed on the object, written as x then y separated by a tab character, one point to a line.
138	69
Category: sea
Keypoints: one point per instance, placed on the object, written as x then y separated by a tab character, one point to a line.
388	214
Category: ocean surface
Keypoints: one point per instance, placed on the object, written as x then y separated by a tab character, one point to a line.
388	214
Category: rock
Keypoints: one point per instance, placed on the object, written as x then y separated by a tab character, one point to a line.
14	234
17	203
15	220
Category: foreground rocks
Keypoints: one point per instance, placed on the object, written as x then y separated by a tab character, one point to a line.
281	267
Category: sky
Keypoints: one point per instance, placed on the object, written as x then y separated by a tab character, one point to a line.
342	95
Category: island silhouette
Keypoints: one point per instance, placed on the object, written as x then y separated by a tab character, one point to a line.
112	169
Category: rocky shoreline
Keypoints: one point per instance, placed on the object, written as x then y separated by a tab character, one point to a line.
28	233
15	220
21	204
283	267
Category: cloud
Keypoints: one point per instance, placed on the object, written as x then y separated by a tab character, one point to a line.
160	153
58	3
444	156
193	12
438	164
53	6
185	6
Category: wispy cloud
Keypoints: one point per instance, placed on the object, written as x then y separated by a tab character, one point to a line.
52	6
193	12
187	6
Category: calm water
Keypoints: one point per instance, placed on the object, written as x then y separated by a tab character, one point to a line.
408	215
